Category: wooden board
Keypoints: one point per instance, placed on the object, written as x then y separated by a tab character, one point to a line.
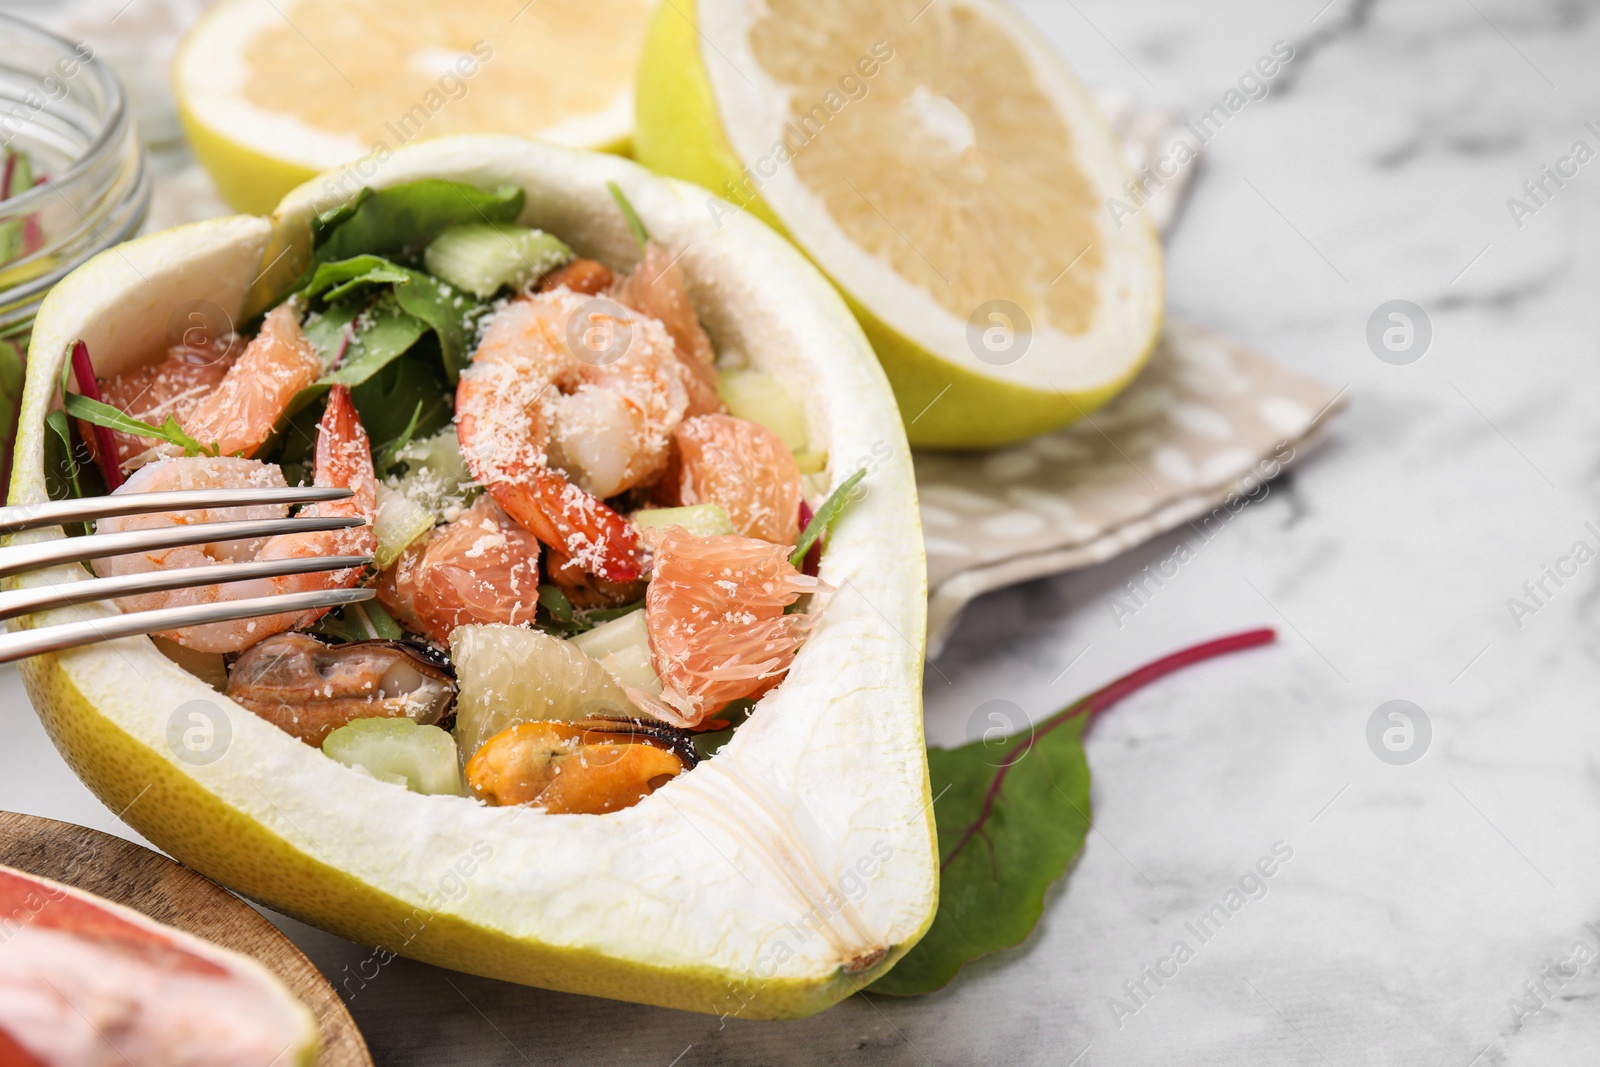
171	893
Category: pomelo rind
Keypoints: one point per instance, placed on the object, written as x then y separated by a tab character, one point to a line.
737	916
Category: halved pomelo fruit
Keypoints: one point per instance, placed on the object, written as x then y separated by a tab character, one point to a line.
272	92
83	980
770	881
945	169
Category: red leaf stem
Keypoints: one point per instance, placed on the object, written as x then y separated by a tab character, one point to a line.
1103	698
105	444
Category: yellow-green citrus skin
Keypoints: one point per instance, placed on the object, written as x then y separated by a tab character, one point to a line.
248	180
679	133
174	812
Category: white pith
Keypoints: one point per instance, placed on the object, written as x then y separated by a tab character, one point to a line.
752	109
723	867
211	69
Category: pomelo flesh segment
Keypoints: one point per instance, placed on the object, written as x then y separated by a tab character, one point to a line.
950	175
77	969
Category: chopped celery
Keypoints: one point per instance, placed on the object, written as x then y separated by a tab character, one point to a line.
436	475
623	648
399	522
817	528
421	758
483	257
702	520
759	397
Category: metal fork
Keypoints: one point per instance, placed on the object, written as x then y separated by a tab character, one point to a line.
16	559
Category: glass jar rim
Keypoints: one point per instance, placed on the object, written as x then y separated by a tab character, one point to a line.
116	111
106	183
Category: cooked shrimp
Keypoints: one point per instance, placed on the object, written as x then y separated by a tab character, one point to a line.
481	568
278	363
343	459
657	289
714	614
548	431
585	590
176	386
742	465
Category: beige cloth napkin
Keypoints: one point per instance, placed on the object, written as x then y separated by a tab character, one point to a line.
1199	432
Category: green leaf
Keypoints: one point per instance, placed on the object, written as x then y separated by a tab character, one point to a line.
582	620
553	600
406	217
12	361
69	473
451	314
434	305
383	456
1012	813
709	743
635	223
384	333
60	466
295	447
824	518
409	386
327	329
99	414
331	281
993	878
366	621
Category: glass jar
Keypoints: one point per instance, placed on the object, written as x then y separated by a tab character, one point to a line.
65	117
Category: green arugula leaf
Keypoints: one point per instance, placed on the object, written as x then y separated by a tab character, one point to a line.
825	517
635	223
383	456
366	621
411	386
325	223
328	329
295	447
406	217
553	600
100	414
331	281
385	332
451	314
1012	814
60	466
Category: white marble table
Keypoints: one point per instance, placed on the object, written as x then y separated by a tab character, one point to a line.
1419	899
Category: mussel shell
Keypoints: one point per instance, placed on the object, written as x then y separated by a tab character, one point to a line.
295	681
680	743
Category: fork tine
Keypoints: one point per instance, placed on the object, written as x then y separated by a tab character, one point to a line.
69	635
16	602
15	559
19	517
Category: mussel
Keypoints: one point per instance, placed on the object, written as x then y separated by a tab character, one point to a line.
584	767
309	688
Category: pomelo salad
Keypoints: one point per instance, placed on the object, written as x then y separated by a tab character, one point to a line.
592	539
